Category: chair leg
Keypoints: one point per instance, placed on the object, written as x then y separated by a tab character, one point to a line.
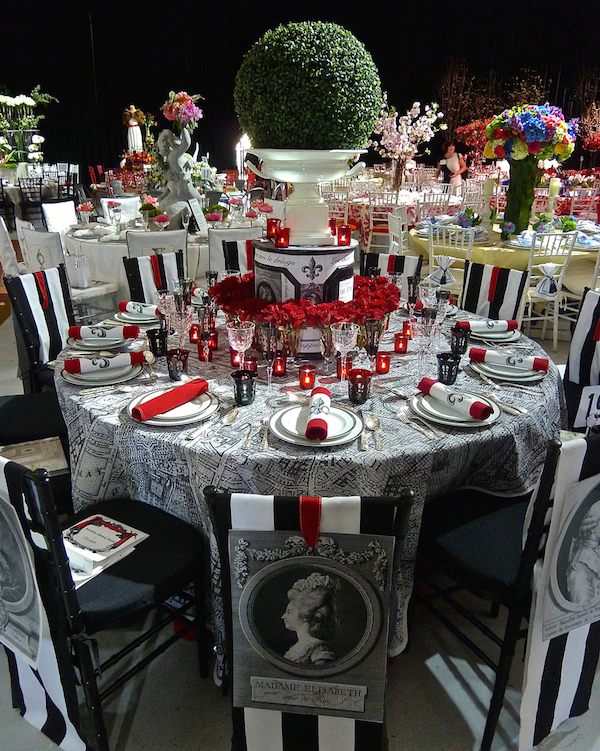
555	327
92	696
511	635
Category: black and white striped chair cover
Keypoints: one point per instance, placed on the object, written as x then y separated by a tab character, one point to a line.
391	264
583	364
257	729
238	255
560	668
235	237
42	306
147	274
42	677
493	291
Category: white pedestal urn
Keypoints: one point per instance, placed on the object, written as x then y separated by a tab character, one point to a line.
306	212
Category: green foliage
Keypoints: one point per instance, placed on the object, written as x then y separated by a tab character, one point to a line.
309	85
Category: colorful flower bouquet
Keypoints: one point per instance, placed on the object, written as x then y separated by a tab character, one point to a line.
474	135
181	110
525	135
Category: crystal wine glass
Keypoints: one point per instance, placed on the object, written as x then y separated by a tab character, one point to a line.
345	336
412	295
269	340
182	322
240	335
374	328
206	319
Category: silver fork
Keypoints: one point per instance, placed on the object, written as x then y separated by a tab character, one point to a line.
254	425
424	429
264	443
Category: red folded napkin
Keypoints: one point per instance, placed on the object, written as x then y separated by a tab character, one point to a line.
478	354
100	332
489	326
318	409
170	400
94	364
461	403
138	308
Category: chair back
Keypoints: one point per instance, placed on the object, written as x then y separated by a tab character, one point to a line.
31	190
348	516
398	231
583	362
554	248
20	225
236	242
41	303
449	245
493	291
40	662
42	250
148	274
130	207
140	243
8	257
390	264
432	204
337	204
59	216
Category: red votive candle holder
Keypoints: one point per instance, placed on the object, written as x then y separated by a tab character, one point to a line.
213	342
347	367
272	225
205	356
382	362
282	237
307	375
251	363
280	364
400	344
332	226
344	234
194	333
234	357
407	329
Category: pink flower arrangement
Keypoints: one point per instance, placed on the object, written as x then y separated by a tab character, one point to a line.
214	216
113	204
161	219
85	208
149	199
181	109
265	208
251	214
235	201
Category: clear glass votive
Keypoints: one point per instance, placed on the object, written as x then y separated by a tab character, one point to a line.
448	365
359	385
244	387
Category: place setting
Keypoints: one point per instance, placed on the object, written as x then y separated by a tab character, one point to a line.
101	370
98	338
173	406
142	314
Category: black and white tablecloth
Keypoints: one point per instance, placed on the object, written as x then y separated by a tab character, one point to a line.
112	455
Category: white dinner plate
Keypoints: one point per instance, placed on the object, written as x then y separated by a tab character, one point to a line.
444	416
507	373
503	336
95	344
108	378
129	318
289	424
197	409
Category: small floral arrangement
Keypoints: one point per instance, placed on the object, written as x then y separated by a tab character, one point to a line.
213	216
373	298
251	214
474	134
162	219
531	130
235	201
468	218
567	223
113	204
262	206
508	228
136	160
180	108
221	211
148	199
86	208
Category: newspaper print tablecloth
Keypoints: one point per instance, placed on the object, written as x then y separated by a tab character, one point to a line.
112	455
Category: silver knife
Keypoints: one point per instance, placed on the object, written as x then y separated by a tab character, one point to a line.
362	443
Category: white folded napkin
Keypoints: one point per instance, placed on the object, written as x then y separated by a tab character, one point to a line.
96	333
317	427
487	327
95	364
462	404
490	357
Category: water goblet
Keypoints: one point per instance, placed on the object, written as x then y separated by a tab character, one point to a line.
412	294
345	336
182	322
240	335
269	339
206	320
374	328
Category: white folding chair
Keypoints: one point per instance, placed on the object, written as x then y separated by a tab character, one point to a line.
398	231
448	245
432	204
42	250
380	204
548	261
59	217
8	257
140	243
337	203
130	207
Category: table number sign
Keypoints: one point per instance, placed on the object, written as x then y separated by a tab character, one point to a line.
588	413
196	209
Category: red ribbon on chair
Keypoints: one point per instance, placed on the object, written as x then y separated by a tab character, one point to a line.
156	271
493	283
597	332
310	518
249	256
391	265
39	275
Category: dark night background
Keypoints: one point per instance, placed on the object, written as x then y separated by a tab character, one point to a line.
98	58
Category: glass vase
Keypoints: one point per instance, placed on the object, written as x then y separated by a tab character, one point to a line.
521	192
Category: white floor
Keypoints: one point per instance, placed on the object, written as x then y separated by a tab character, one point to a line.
437	693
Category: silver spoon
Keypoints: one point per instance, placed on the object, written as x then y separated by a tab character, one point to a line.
374	424
150	359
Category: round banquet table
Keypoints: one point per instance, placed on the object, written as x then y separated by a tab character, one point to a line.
112	455
106	259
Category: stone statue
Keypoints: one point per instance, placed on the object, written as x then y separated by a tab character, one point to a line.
177	167
132	118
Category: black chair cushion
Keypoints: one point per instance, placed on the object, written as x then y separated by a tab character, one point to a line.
171	556
30	417
485	552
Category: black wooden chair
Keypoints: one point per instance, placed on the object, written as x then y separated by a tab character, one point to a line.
487	557
159	568
148	274
493	291
31	197
42	309
7	208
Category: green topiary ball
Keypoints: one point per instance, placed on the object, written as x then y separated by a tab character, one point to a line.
309	85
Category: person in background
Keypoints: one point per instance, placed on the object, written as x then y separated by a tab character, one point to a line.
452	167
